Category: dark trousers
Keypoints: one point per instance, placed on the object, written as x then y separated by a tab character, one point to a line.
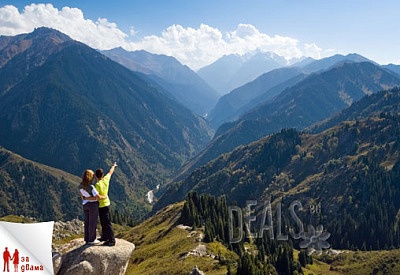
91	212
107	232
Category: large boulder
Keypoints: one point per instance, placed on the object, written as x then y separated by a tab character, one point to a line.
78	258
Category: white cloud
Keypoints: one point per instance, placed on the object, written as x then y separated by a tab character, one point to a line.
247	38
100	34
11	22
202	46
312	50
193	47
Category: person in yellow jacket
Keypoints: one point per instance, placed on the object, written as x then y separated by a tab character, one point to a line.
102	185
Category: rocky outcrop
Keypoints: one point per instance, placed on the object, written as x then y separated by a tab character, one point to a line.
62	230
78	258
196	271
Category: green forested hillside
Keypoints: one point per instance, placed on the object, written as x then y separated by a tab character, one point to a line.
351	171
386	101
35	190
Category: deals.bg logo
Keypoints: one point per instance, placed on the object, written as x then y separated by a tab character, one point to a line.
26	247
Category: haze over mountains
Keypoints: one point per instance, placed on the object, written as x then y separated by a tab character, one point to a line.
232	71
178	80
269	85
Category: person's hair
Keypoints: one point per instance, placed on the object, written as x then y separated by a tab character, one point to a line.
99	173
87	177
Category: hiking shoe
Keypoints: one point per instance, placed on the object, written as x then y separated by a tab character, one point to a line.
109	243
102	239
94	242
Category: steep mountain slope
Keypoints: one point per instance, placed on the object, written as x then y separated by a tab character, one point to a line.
218	74
321	95
246	97
21	54
316	98
268	85
35	190
73	108
178	80
351	171
232	71
387	102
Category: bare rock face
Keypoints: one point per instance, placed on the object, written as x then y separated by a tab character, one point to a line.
78	258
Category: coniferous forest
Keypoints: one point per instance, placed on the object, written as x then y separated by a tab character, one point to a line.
256	256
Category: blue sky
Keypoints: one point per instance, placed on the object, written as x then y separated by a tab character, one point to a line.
199	32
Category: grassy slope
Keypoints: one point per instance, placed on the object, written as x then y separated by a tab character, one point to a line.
162	247
357	262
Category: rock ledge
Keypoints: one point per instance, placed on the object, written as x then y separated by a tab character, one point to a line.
78	258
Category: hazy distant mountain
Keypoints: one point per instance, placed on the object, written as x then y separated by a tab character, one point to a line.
301	62
255	66
232	71
246	97
68	106
328	62
392	67
313	99
178	80
321	95
219	73
270	84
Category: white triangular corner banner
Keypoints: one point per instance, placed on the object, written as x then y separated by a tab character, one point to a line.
31	242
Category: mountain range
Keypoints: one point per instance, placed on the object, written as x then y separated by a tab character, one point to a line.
316	97
351	170
321	133
66	105
178	80
232	71
241	100
271	83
